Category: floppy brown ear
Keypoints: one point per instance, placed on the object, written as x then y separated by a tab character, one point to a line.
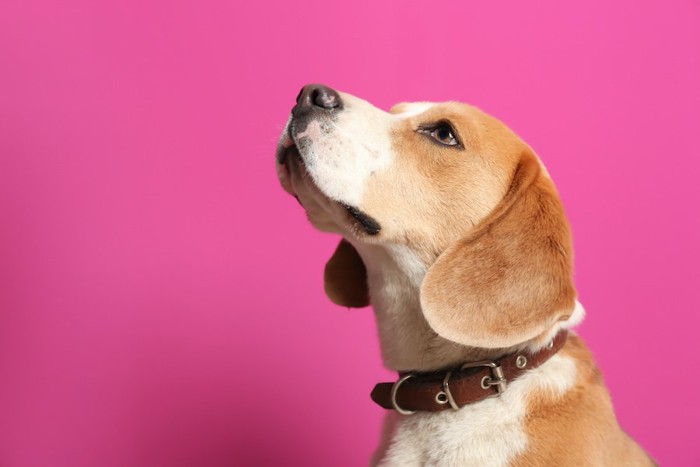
345	277
511	279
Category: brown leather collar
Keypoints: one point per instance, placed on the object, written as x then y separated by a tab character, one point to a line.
469	383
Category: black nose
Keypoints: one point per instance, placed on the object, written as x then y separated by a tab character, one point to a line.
314	97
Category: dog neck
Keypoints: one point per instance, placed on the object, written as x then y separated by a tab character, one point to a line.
408	343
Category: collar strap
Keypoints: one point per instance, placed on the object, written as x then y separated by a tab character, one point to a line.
466	384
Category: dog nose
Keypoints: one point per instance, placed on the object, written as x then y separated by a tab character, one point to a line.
314	97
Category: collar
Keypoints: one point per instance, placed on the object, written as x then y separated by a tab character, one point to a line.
466	384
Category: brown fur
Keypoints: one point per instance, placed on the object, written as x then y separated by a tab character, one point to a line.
582	417
487	224
440	193
510	280
491	214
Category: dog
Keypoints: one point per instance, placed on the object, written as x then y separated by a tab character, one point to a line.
452	229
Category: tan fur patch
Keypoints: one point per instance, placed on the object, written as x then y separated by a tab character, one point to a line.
582	417
433	194
510	280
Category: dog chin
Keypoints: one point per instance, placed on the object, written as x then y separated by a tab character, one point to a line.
348	218
289	162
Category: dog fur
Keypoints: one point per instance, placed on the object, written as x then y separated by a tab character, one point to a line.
471	258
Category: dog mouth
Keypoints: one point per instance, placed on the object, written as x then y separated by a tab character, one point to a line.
364	220
286	148
289	157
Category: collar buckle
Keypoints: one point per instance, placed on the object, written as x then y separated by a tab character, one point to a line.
496	379
435	389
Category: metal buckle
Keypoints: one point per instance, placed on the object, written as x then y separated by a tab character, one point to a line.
394	389
448	393
496	379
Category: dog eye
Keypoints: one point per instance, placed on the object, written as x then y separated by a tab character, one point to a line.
442	133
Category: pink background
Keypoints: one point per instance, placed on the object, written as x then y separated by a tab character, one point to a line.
157	287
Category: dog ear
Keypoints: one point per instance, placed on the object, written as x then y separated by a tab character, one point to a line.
345	277
510	279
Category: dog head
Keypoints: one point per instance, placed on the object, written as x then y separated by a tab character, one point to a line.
455	186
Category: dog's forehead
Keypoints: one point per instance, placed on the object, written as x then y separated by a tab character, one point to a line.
457	112
411	109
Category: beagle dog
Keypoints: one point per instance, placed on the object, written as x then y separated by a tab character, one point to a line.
453	231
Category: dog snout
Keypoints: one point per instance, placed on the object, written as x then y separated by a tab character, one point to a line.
316	97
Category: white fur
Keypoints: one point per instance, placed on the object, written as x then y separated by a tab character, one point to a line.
487	433
394	274
415	108
577	315
338	161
